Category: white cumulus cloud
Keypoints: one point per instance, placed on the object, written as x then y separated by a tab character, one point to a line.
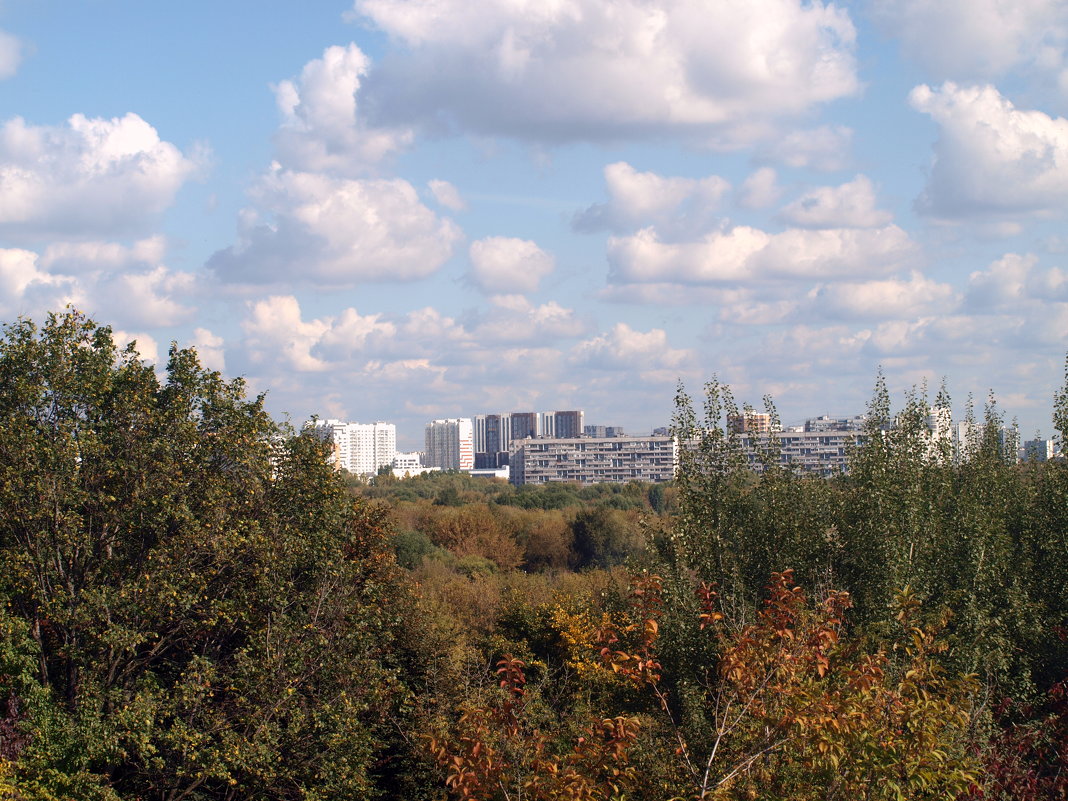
278	339
276	333
513	318
10	54
26	288
968	39
851	205
447	195
824	148
1004	283
352	333
145	344
91	177
918	296
991	159
150	298
322	128
505	265
605	69
759	190
81	257
637	199
624	348
209	348
744	254
426	329
330	231
100	279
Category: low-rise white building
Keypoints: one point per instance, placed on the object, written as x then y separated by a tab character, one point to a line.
406	465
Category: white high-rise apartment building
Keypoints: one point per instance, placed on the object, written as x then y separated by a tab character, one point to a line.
450	444
360	448
479	424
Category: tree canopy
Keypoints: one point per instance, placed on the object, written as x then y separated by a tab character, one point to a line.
191	605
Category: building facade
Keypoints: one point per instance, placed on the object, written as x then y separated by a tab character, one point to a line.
1038	450
825	423
410	464
408	461
823	452
450	444
491	432
567	425
589	460
523	425
753	423
360	448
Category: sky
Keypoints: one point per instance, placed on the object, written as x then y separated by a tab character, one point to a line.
403	210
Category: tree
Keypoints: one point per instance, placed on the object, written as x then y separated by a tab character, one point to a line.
793	709
602	538
192	586
496	750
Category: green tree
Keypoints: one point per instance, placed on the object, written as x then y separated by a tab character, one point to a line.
602	537
207	612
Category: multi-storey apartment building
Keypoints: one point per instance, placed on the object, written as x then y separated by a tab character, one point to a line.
567	425
359	448
590	460
523	425
492	432
825	423
412	461
1038	450
753	422
450	444
547	424
824	452
968	438
616	431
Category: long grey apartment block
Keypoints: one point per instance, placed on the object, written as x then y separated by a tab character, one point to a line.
593	460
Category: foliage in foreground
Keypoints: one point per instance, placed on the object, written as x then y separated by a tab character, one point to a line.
191	606
791	709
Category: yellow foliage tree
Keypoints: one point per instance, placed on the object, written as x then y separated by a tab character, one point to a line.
797	711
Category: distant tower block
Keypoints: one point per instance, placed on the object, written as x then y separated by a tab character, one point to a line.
450	444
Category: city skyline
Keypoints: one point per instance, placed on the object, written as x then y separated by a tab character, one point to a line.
553	451
480	437
387	210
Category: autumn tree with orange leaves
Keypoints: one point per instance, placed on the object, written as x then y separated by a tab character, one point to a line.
496	751
793	708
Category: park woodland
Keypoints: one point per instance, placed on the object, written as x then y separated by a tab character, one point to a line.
196	606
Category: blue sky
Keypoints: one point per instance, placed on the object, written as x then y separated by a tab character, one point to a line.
408	209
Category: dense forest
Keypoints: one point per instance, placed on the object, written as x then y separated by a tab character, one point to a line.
195	605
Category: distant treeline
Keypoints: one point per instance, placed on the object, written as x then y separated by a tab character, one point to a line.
194	605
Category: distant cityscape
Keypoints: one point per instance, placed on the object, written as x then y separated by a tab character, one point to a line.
545	447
